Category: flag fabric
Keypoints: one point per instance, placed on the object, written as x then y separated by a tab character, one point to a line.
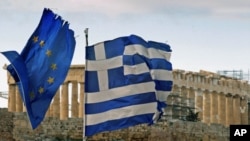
43	64
127	81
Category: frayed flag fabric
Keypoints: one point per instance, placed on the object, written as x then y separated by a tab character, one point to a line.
42	65
127	81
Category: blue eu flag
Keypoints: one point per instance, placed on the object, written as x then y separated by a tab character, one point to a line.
43	64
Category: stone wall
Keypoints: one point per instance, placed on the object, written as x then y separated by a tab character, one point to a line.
53	129
6	125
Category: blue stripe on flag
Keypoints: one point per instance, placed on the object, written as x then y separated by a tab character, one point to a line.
152	63
160	64
133	59
118	124
90	53
118	79
133	39
113	48
124	101
160	46
163	85
92	84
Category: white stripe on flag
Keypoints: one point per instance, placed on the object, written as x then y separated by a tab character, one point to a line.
160	74
136	69
119	113
102	74
120	92
100	51
104	64
162	95
147	52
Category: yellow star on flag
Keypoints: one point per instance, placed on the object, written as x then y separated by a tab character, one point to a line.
41	43
53	66
50	80
41	90
35	39
48	53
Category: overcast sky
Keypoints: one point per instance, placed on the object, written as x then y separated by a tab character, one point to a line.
210	35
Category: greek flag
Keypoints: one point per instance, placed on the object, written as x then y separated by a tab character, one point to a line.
127	81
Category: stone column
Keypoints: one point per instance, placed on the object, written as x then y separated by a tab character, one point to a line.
176	100
81	105
74	100
191	98
64	113
19	103
183	102
214	107
49	112
229	110
24	108
206	107
244	110
222	109
12	98
236	110
56	104
199	103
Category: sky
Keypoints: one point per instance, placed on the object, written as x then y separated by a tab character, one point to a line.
203	35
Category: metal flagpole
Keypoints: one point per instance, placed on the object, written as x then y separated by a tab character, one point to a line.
84	99
86	35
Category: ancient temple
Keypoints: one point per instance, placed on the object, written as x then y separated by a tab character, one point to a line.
217	99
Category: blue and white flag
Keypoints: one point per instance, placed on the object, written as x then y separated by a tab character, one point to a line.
127	81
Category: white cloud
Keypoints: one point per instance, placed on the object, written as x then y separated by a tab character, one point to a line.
117	7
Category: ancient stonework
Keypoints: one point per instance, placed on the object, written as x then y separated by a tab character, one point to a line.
6	125
201	106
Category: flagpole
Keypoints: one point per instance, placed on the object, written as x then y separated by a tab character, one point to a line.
84	99
86	36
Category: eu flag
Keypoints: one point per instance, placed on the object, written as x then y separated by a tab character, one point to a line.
43	64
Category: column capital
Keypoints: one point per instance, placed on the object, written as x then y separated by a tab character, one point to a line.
229	95
236	96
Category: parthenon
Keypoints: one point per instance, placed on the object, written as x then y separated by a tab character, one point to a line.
218	99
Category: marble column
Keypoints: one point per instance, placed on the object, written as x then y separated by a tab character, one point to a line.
56	104
64	113
236	110
206	107
214	107
176	111
74	100
199	103
244	110
229	110
81	105
12	98
183	102
191	98
222	109
19	103
24	108
49	111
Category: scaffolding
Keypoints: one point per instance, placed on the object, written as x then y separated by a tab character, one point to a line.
4	95
238	74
